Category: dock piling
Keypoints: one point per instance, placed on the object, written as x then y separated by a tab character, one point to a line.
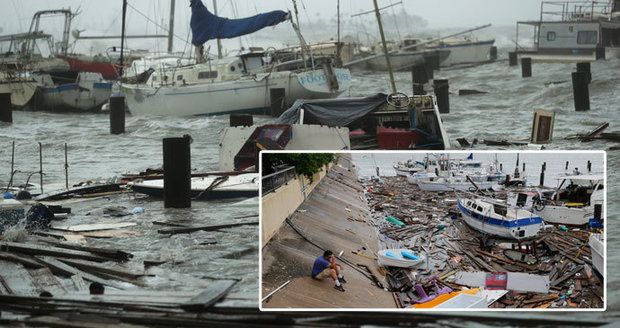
442	92
493	53
542	175
241	120
526	67
512	58
419	78
117	115
585	68
177	172
581	92
589	167
6	108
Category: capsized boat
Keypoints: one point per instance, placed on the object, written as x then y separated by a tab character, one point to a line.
400	257
463	51
597	246
493	218
214	187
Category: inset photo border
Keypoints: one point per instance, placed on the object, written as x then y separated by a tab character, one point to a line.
433	231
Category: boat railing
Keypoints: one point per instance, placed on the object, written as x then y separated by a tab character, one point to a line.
575	10
273	181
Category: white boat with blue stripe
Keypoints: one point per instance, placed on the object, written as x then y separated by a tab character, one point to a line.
493	218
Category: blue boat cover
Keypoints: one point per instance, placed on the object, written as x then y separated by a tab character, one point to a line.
206	26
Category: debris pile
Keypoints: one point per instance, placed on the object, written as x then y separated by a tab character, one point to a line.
552	271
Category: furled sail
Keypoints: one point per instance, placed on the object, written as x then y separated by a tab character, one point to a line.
206	26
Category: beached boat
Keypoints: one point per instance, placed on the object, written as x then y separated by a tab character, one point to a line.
499	220
213	187
71	92
572	202
21	86
400	258
597	246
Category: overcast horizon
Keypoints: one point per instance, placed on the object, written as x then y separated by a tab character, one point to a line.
423	16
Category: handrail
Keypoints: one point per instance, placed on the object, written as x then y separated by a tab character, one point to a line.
273	181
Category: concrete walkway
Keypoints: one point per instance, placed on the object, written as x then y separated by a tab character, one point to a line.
336	217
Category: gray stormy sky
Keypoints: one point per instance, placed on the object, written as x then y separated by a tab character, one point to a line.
103	17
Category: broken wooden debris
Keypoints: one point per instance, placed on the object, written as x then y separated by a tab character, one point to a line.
94	227
59	267
467	92
213	293
210	227
32	249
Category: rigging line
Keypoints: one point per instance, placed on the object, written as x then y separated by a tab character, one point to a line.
395	21
154	22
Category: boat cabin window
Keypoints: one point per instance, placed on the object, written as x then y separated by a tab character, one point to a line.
587	37
479	208
499	209
521	200
207	75
179	77
550	36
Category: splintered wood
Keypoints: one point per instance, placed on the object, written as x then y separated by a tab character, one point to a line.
552	271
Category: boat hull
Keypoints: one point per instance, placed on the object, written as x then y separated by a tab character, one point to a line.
102	66
73	97
243	95
566	215
21	91
523	228
598	250
444	186
399	262
466	53
235	186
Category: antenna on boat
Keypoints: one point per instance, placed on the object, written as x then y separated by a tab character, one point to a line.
219	41
385	49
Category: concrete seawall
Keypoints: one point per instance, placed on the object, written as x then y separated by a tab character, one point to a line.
280	204
335	216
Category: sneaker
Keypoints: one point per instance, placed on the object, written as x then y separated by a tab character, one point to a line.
340	288
342	281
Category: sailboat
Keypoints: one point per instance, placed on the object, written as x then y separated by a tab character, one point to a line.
244	83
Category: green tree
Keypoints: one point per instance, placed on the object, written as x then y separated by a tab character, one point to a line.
306	164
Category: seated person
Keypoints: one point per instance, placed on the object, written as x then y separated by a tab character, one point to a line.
326	266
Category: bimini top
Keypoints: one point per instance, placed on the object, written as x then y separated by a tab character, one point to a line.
332	112
596	178
206	26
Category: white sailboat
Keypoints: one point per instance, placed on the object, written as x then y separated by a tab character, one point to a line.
236	84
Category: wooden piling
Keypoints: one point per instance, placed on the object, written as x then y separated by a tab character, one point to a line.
585	68
589	166
117	115
581	92
526	67
512	58
442	92
241	120
177	172
6	108
493	53
418	78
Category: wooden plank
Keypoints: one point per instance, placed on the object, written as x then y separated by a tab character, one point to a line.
112	253
103	268
212	227
17	279
94	227
61	268
79	283
22	259
45	280
214	292
48	250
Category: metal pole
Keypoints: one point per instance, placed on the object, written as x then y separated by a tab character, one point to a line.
123	36
41	165
66	168
219	41
12	164
171	26
385	50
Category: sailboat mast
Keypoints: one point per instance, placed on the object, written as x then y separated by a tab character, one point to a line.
171	26
301	41
385	49
219	41
123	37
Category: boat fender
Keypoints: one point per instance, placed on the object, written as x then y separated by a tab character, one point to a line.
409	255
